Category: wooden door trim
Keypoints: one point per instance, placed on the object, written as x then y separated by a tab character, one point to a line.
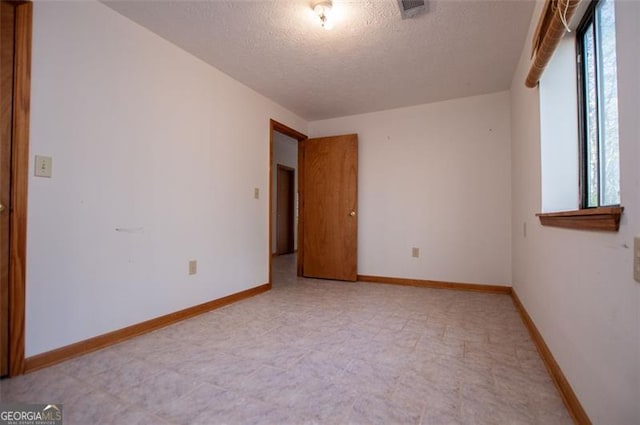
284	167
19	181
302	144
7	14
286	130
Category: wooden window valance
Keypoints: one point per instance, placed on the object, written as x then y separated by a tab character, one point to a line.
548	34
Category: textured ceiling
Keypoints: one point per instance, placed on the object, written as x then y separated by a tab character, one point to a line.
371	60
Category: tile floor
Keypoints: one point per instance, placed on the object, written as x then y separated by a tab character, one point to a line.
315	352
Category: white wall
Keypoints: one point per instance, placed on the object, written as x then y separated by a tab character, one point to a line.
285	152
558	130
578	285
148	138
437	177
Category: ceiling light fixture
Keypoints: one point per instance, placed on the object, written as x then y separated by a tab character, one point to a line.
323	10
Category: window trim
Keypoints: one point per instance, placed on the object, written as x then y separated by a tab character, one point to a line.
589	20
595	218
583	185
602	218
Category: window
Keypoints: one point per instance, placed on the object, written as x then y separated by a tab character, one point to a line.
598	106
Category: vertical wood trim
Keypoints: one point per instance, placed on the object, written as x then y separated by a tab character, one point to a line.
356	207
270	191
7	13
569	397
20	176
300	263
281	128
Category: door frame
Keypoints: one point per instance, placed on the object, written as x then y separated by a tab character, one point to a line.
300	137
19	180
292	200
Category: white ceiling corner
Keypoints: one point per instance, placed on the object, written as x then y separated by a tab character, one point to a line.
372	59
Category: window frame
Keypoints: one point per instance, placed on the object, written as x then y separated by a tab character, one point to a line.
587	20
599	217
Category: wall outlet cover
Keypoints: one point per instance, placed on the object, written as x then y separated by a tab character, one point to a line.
43	166
193	267
415	252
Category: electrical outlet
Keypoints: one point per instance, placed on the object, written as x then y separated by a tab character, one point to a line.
524	229
256	193
415	252
193	267
636	258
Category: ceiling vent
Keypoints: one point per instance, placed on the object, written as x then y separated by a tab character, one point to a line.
412	8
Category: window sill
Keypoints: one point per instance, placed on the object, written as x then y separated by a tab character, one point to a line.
602	218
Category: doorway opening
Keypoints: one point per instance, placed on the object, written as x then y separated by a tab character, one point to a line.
285	194
325	205
284	175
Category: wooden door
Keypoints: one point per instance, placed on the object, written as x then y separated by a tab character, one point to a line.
329	207
7	17
285	214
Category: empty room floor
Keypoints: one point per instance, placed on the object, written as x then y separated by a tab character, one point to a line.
315	352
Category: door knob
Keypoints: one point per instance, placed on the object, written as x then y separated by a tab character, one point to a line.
352	213
1	207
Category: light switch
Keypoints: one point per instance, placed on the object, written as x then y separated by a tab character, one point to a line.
415	252
43	166
256	193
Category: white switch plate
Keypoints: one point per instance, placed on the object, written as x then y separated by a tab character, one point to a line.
636	258
193	266
415	252
43	166
256	193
